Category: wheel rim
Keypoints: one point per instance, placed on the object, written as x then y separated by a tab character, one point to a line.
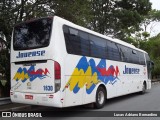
100	97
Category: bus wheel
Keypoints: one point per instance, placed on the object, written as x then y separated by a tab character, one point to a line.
100	97
143	88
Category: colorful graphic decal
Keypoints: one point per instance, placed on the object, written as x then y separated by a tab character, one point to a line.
87	73
23	74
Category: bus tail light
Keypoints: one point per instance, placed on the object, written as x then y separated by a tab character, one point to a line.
57	76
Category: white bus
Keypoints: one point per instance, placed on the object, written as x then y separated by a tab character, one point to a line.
57	63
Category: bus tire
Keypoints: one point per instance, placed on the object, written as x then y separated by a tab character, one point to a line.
100	97
143	88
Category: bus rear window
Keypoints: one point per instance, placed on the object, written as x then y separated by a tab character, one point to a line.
31	35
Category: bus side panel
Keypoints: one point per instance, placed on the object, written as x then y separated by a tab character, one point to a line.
83	74
74	87
102	78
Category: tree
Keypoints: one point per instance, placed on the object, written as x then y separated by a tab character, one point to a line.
76	11
119	18
152	46
13	12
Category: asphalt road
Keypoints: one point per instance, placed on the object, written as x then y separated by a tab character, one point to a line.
150	101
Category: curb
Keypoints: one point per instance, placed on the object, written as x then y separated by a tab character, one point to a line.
4	101
26	107
155	82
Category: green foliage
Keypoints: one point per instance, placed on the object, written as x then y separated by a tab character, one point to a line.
154	45
13	12
5	64
77	11
145	35
153	48
156	69
119	18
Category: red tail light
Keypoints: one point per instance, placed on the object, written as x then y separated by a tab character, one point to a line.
57	70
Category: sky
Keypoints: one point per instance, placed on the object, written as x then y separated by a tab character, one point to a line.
154	28
155	4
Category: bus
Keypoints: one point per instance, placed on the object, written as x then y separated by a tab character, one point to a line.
55	62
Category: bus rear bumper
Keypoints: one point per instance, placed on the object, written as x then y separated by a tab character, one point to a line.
52	100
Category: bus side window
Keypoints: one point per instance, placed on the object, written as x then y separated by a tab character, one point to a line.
85	44
122	53
73	43
98	46
112	51
141	58
74	38
135	56
68	42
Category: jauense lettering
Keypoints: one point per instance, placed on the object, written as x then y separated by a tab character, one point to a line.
30	54
129	70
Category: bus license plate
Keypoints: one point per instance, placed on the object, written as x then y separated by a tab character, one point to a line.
30	97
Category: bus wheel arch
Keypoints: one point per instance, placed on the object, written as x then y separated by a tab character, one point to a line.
101	96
